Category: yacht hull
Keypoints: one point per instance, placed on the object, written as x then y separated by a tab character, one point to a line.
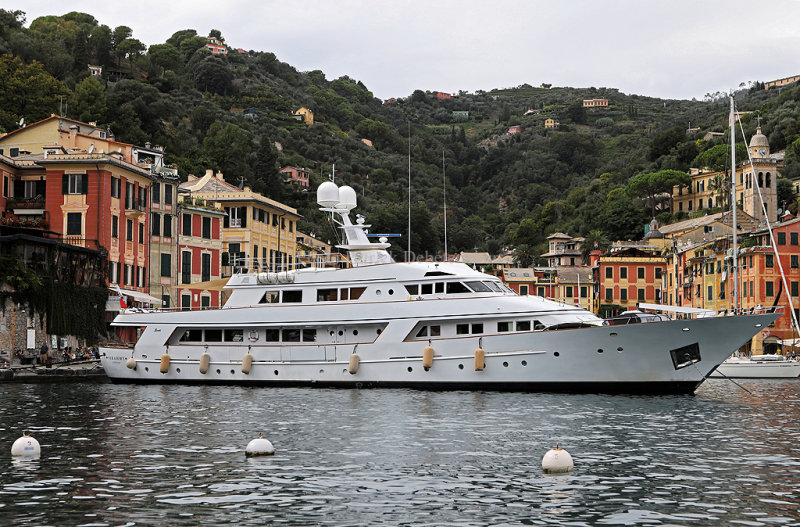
663	357
755	369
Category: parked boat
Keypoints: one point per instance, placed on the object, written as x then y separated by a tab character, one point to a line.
438	325
758	367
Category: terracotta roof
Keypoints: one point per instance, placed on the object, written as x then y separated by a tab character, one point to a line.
479	258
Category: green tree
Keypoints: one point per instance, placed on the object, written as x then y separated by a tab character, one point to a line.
26	90
165	56
228	147
212	74
130	48
650	185
89	100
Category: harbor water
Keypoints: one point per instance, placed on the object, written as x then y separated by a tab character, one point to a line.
174	455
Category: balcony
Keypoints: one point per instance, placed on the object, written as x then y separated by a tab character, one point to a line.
31	222
135	209
235	223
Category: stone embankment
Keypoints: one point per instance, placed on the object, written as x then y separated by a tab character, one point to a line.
76	371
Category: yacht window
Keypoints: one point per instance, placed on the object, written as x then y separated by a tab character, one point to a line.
423	332
436	331
494	287
270	297
437	273
479	287
356	292
439	287
293	296
291	335
344	294
192	335
327	295
413	289
523	325
309	335
462	329
502	327
234	335
427	289
537	325
213	335
477	328
456	288
273	335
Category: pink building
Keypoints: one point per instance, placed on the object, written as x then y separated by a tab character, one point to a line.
297	176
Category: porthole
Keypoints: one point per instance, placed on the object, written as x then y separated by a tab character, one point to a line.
146	368
378	331
355	332
377	292
177	370
276	372
555	354
321	372
332	332
685	329
391	291
613	334
600	350
505	365
233	372
410	369
341	332
218	372
524	363
619	349
460	366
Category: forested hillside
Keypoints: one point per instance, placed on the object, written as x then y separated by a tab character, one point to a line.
503	190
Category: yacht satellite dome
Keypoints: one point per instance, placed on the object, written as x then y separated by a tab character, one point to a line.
328	195
347	198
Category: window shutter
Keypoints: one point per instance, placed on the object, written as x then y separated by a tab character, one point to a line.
226	222
64	183
19	188
243	216
84	183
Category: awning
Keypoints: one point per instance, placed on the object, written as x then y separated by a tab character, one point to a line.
137	296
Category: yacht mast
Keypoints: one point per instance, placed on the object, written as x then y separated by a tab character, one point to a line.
735	288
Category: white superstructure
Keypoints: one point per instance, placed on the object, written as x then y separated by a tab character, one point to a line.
420	324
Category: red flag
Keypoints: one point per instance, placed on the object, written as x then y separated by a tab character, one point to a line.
122	303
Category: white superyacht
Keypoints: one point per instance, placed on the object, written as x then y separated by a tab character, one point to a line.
432	325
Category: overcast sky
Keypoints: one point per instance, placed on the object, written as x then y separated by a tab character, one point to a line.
673	49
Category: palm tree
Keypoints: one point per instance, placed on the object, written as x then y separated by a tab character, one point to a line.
596	239
720	185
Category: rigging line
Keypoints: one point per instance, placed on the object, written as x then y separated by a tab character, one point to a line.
796	326
726	377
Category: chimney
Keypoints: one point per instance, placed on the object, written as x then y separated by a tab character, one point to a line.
191	178
73	135
210	172
219	175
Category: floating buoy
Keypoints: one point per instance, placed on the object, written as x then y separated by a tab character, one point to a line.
353	366
427	357
26	446
164	363
480	363
131	363
205	360
247	363
557	461
259	447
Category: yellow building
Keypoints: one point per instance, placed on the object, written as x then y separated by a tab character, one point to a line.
75	136
551	123
258	233
709	189
305	115
575	285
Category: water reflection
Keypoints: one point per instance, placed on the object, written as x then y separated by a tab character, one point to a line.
142	455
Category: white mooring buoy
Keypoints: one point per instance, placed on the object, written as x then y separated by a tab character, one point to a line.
557	461
259	447
26	446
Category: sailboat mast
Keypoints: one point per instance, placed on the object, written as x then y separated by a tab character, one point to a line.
444	203
735	288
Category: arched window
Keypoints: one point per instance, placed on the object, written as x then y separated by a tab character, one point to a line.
769	179
761	179
710	203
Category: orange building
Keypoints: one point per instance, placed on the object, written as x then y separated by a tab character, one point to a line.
627	275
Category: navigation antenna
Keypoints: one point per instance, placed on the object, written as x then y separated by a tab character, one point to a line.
408	254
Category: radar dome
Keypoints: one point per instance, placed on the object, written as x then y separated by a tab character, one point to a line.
347	198
328	195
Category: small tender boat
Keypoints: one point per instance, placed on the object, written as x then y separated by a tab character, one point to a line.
433	325
758	367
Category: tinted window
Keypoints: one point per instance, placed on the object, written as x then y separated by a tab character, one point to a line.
192	335
478	287
213	335
293	296
233	335
524	325
273	335
456	288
